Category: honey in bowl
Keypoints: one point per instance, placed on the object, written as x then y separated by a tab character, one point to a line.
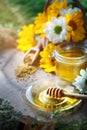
70	59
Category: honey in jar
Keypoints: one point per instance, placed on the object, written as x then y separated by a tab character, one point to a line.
70	59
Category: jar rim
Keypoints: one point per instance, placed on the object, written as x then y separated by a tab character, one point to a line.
69	60
57	56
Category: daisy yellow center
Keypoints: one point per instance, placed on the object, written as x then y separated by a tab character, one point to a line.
73	24
57	29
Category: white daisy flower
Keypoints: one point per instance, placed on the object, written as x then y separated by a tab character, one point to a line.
81	81
56	30
63	12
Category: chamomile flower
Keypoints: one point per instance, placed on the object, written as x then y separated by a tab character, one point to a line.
63	12
81	81
56	30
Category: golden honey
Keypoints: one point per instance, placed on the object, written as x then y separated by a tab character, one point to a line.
70	60
38	99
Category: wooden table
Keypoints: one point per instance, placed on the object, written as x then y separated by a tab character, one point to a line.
10	87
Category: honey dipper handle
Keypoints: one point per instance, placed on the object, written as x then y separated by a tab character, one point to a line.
75	95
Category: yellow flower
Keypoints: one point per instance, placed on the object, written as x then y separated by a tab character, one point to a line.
46	62
42	18
26	38
40	21
55	7
75	26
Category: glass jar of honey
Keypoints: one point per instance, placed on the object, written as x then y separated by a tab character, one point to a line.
70	59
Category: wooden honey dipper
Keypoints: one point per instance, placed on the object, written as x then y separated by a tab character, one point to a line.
59	93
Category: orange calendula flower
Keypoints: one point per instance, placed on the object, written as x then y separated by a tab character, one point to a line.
26	38
46	62
75	26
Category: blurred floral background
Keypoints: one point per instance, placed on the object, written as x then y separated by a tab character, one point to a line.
15	13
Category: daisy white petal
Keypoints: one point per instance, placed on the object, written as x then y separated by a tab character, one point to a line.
81	81
56	30
82	72
63	12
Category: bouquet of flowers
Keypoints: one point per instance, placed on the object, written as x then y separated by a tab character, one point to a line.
58	23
